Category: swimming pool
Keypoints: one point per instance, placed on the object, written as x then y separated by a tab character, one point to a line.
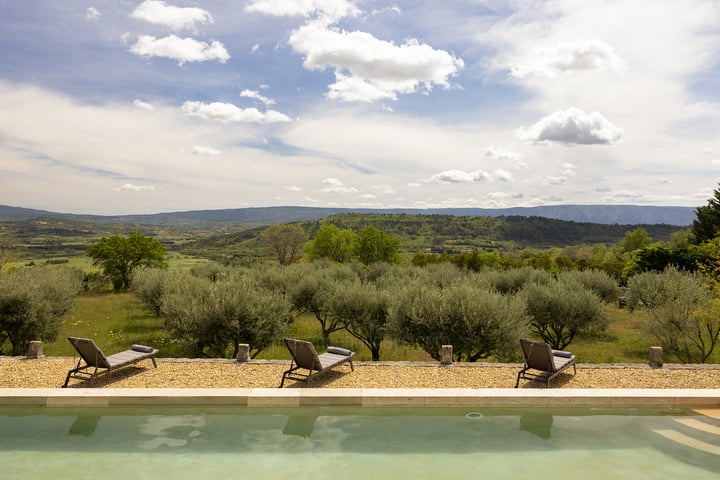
352	443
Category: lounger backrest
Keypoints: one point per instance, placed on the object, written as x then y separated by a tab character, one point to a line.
304	354
538	355
90	352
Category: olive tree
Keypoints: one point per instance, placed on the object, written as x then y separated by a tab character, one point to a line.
363	311
32	302
560	310
477	323
682	312
213	318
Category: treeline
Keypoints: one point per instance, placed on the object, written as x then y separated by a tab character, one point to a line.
212	309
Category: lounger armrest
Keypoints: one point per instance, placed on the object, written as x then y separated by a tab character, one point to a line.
562	353
339	351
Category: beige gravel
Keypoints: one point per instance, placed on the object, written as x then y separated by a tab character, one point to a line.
16	372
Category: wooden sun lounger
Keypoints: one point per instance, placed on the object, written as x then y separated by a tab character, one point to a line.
95	359
548	363
305	357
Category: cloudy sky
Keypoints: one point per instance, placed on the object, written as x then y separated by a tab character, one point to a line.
130	106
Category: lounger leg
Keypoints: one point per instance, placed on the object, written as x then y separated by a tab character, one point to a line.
154	362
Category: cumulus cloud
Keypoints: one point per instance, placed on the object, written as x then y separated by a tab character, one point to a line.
129	187
333	185
170	16
573	126
255	95
293	188
580	55
332	10
368	69
205	150
460	176
92	13
180	49
143	105
227	112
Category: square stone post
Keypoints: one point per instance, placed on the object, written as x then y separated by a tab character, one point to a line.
35	350
656	357
243	353
447	355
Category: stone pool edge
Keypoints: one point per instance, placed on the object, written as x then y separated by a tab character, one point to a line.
361	397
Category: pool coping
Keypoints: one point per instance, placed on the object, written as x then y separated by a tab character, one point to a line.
361	397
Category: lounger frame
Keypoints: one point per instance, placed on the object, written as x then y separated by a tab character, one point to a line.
96	363
305	357
545	362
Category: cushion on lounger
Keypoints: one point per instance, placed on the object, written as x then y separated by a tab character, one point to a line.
142	348
561	353
339	351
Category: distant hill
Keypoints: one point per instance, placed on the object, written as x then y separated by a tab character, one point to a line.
602	214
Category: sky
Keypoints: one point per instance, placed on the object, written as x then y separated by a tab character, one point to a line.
127	106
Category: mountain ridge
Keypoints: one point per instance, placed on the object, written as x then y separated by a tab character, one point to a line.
602	214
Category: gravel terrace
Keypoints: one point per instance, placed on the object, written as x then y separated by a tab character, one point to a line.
18	372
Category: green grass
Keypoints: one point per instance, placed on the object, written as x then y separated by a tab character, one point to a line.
117	320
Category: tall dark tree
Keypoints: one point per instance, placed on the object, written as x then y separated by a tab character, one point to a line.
119	256
707	220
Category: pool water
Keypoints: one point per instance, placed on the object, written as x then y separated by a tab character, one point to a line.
354	443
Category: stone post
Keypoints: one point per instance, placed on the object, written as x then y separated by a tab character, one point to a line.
656	357
447	358
243	353
35	350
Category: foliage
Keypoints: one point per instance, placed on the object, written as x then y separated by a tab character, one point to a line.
477	323
212	318
363	311
513	280
119	256
683	314
706	225
32	302
332	243
561	309
635	240
284	241
375	246
314	291
147	284
598	282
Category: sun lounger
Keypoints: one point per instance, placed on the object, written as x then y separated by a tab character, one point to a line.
305	357
548	363
95	359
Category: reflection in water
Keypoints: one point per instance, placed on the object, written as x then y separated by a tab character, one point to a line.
539	425
300	425
84	426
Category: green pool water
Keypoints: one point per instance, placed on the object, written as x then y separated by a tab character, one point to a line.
356	443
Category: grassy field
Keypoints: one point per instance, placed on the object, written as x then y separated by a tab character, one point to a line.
117	320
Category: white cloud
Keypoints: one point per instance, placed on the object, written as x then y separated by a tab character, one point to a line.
502	154
254	94
572	126
143	105
459	176
175	18
129	187
368	196
180	49
368	69
552	180
566	57
293	188
333	185
227	112
92	13
331	10
205	150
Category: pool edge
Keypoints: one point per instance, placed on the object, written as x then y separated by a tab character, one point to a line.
365	397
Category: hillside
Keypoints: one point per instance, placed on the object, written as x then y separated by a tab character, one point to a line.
603	214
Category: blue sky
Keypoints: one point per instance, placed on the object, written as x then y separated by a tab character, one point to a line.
112	107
